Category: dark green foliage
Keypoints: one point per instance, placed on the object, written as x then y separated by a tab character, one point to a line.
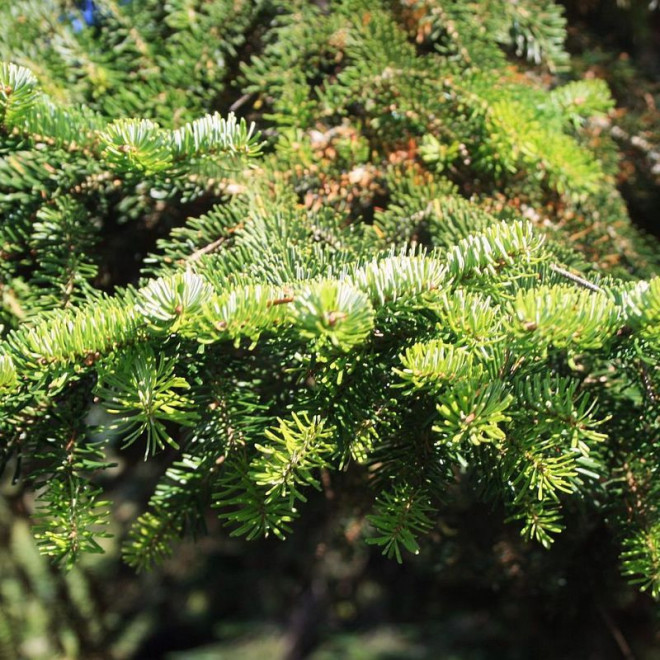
420	273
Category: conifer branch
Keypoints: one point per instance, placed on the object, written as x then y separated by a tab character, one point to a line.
396	285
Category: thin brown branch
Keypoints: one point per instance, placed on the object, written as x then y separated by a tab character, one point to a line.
575	278
207	249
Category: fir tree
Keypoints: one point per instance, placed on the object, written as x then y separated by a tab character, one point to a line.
420	271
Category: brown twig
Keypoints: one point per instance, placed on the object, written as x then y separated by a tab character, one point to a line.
615	631
207	249
575	278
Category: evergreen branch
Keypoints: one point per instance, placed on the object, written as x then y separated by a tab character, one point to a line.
394	285
399	517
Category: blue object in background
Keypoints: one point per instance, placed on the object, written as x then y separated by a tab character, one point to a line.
90	14
88	9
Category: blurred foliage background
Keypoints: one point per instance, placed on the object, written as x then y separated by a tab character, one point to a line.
474	592
620	42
